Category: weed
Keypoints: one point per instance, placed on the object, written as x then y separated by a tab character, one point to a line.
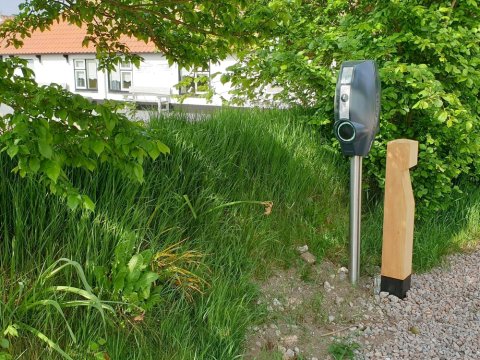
342	350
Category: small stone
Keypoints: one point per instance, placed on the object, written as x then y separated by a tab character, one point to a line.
302	249
314	358
331	318
383	294
309	258
290	340
289	354
297	350
342	273
276	302
327	286
258	343
278	333
339	300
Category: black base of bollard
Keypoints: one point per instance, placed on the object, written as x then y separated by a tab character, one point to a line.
396	287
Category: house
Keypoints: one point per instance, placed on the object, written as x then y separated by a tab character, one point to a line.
57	56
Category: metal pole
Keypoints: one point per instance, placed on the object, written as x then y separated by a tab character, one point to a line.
355	214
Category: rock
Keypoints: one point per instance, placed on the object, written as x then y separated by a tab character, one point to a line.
327	286
383	294
339	300
276	302
314	358
309	258
342	273
289	354
331	318
290	340
302	249
297	350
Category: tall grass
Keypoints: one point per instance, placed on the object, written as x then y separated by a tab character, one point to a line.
208	195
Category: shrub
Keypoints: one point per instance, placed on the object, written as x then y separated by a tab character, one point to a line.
428	53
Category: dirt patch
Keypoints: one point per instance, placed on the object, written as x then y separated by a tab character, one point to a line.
305	309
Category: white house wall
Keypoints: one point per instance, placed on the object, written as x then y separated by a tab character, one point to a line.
154	72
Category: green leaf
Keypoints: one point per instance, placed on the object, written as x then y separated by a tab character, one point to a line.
4	343
62	114
138	172
443	116
88	204
34	164
11	330
164	149
12	150
45	148
119	280
73	201
98	146
52	169
93	346
146	280
135	263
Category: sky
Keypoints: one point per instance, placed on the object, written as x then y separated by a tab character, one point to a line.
9	7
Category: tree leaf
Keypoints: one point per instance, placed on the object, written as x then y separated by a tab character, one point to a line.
88	204
73	201
52	169
98	146
45	148
12	150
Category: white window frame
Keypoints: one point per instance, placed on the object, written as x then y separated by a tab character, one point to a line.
195	74
125	68
80	66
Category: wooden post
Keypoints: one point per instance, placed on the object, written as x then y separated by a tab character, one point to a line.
398	218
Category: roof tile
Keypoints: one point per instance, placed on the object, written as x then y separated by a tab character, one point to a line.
65	38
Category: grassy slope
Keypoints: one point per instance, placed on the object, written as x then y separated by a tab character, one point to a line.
235	156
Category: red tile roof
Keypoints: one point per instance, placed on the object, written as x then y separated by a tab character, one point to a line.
65	38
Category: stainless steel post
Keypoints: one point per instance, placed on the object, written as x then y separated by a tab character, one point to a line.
355	217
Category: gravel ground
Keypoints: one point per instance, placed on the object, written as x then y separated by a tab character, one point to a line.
439	319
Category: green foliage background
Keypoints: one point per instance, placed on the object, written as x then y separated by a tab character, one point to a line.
429	58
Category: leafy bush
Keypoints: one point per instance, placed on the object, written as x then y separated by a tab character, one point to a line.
429	56
51	130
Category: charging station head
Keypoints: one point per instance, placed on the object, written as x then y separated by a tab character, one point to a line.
357	106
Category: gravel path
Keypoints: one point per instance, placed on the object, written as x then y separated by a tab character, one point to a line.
439	319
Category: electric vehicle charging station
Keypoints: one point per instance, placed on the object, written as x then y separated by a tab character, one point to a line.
357	113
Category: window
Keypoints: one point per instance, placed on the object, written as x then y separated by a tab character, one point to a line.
196	81
86	74
121	78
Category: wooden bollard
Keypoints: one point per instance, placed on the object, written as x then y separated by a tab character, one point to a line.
398	218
